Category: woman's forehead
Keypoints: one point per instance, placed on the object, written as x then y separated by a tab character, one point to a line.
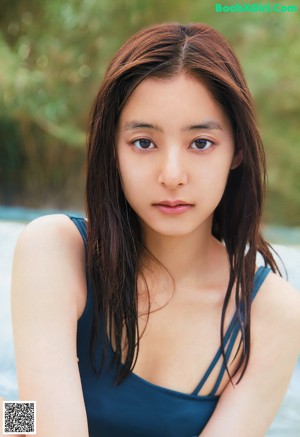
182	100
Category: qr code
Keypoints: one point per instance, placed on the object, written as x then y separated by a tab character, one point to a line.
19	417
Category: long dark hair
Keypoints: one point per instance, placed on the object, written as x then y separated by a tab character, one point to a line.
115	244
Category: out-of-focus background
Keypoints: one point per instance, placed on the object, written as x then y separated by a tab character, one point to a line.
53	55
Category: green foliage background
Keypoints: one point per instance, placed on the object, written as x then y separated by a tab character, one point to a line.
53	55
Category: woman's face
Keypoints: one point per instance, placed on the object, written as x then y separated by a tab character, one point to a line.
175	149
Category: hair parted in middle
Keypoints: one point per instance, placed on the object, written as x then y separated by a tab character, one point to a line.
115	241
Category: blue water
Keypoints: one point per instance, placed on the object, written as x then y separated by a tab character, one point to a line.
287	421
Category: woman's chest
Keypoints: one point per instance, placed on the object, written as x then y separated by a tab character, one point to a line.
179	343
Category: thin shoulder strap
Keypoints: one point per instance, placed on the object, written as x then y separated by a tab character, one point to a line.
86	317
259	278
230	337
260	275
227	355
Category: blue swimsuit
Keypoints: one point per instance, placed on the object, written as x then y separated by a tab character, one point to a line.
136	407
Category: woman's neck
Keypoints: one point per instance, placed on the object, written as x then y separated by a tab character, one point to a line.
190	256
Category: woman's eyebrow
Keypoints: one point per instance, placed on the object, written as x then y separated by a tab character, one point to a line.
134	124
208	125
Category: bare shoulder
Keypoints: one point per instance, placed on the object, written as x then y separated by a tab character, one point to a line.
52	248
51	229
276	309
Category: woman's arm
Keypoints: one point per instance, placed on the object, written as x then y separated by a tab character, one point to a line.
247	409
48	297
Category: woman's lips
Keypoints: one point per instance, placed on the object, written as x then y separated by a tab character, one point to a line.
173	207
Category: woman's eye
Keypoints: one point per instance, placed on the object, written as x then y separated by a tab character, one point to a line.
201	144
143	144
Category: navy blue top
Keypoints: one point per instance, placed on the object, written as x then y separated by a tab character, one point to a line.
136	407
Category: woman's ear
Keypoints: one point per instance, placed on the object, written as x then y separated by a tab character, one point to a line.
237	159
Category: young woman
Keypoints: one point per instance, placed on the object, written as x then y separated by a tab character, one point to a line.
141	320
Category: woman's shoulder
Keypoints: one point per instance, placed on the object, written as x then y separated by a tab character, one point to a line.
52	235
59	226
51	250
277	308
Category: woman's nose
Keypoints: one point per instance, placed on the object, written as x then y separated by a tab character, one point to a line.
172	172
